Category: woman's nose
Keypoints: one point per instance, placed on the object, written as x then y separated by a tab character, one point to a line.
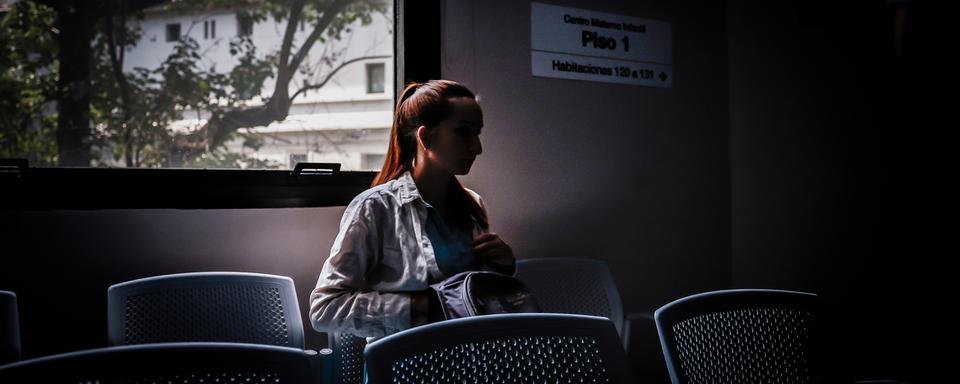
475	146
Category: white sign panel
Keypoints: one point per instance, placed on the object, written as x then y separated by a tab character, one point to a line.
573	43
565	66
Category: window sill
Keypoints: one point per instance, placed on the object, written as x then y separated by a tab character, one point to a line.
136	188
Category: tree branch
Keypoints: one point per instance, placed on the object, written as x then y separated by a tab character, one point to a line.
296	11
116	63
329	15
219	127
330	75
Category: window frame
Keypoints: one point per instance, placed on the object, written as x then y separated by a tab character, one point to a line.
291	156
369	68
167	30
210	29
245	28
28	188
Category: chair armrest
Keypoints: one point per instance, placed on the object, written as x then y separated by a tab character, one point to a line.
323	365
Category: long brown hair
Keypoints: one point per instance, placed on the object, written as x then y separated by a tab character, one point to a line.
427	104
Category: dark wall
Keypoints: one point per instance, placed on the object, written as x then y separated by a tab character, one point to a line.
60	263
836	163
636	176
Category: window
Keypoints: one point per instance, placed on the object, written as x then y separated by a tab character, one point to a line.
373	161
375	78
297	158
244	26
165	127
210	29
173	32
201	82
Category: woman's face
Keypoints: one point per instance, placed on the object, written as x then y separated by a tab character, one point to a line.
455	142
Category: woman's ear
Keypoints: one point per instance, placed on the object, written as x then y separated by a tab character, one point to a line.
423	136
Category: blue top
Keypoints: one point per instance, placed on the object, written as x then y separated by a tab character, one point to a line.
452	245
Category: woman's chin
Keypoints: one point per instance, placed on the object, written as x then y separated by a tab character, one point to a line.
462	170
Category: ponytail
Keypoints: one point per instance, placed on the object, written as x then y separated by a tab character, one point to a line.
399	158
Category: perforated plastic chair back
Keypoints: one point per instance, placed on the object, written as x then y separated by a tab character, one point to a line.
507	348
182	363
742	336
205	306
9	328
347	357
569	285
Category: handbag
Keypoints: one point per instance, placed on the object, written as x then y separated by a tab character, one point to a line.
475	293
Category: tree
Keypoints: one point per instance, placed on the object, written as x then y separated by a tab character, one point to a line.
28	81
329	20
130	111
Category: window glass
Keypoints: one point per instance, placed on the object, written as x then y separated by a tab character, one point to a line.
164	89
173	32
375	77
244	26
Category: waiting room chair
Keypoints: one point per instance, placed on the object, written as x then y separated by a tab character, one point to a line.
205	306
347	357
9	328
506	348
560	285
577	286
185	363
742	336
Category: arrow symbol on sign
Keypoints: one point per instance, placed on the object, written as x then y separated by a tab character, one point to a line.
663	76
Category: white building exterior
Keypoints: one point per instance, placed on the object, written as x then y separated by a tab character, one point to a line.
347	121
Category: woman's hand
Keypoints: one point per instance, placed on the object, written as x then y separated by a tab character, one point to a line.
491	249
419	307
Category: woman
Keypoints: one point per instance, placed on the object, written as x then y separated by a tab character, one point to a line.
417	225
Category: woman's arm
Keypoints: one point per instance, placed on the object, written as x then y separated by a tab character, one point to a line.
342	300
419	307
494	254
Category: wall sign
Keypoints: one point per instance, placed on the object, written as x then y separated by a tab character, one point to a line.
572	43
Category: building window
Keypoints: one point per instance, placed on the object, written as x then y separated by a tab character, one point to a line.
173	32
244	26
210	29
373	161
375	78
297	158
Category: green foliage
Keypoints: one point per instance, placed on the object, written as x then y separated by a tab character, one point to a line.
361	11
251	71
28	81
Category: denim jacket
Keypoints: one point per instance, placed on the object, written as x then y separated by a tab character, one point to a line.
380	255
